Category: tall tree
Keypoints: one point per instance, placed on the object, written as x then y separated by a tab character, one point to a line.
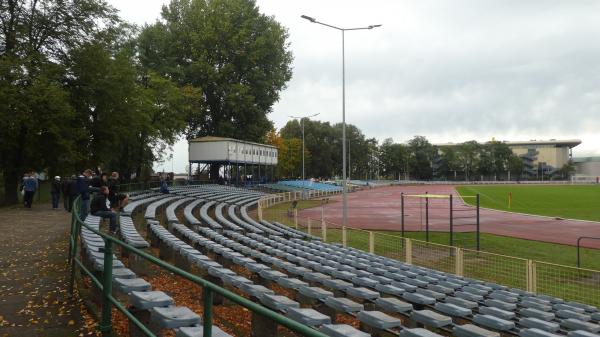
468	154
289	161
422	153
236	58
36	38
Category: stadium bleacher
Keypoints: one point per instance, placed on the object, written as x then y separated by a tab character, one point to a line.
302	185
326	284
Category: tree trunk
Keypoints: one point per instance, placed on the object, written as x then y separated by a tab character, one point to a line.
11	182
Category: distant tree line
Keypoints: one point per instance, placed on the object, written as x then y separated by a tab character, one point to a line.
80	88
367	159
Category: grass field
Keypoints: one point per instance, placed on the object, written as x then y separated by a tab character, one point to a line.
565	201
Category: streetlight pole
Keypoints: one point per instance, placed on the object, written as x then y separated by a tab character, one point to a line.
344	182
302	126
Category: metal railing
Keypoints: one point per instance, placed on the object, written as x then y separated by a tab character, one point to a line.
569	283
208	288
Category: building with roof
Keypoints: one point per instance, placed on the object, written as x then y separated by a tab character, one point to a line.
237	160
546	156
587	166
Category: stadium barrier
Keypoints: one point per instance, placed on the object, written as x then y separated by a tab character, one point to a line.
104	284
569	283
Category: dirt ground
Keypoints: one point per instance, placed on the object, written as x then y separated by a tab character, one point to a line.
34	275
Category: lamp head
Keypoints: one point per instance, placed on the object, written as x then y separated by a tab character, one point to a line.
308	18
374	26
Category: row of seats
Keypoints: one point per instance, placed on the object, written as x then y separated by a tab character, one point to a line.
310	185
164	314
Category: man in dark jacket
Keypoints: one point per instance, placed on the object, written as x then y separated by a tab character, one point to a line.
83	189
55	192
73	193
100	207
113	189
64	189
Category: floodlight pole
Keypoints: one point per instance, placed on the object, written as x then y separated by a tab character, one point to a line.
302	126
344	182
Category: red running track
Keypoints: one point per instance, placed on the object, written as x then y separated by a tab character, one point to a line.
379	209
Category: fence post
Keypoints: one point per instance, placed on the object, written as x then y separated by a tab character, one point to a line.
207	295
324	231
533	277
73	251
371	242
260	214
530	277
309	231
408	251
459	261
106	323
296	218
344	237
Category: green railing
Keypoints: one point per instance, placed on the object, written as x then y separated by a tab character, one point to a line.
208	288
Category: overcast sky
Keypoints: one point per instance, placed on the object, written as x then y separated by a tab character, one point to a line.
448	70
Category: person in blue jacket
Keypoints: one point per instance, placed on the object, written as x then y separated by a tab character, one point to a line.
30	185
164	187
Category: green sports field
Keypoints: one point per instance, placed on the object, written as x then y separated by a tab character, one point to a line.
565	201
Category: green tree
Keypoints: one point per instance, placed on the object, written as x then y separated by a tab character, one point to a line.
450	164
36	120
422	154
319	138
515	166
567	170
468	157
236	57
289	161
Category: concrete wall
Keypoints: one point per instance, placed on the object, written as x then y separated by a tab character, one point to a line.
551	155
588	168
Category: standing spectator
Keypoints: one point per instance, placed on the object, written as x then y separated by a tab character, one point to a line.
64	189
83	190
30	185
72	191
55	192
113	188
99	207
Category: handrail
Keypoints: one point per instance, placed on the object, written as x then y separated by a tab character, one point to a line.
207	287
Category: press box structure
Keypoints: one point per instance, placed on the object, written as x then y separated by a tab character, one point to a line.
239	160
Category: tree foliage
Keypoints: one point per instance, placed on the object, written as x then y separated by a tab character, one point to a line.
415	159
36	118
80	88
234	58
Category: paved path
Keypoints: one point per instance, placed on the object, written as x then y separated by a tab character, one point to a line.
34	299
379	209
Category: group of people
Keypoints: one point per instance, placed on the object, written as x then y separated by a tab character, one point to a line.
103	191
99	193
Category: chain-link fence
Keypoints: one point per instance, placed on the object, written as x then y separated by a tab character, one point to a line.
569	283
507	270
